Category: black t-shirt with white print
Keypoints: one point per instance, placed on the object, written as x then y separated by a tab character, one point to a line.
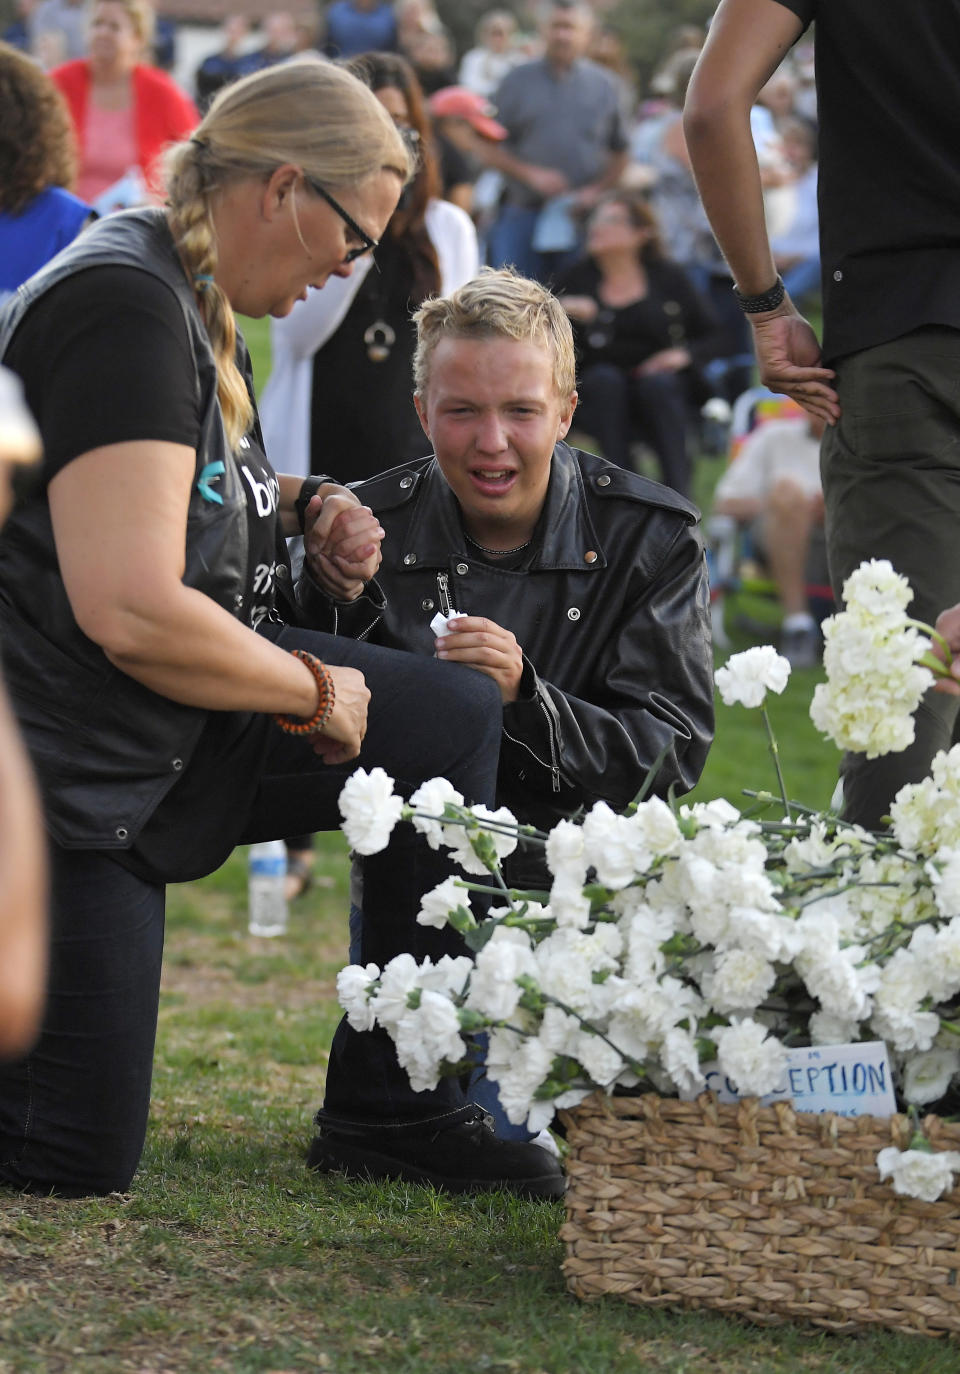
105	358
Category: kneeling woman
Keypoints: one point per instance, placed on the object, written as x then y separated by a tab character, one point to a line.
171	704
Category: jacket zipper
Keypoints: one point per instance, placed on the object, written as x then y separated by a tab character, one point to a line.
554	764
443	593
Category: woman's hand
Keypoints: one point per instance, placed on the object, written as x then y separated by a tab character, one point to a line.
583	309
486	646
342	736
342	544
667	360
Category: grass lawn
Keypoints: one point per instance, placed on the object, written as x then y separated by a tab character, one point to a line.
228	1255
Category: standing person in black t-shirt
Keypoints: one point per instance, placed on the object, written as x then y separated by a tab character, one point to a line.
888	83
151	639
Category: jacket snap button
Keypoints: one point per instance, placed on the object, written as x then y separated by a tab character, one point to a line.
573	613
238	600
409	558
406	482
176	765
282	571
589	556
121	832
463	569
426	604
603	481
838	275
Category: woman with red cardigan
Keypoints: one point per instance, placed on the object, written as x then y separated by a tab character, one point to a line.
124	112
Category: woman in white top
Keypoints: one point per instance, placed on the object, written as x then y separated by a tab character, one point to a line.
340	397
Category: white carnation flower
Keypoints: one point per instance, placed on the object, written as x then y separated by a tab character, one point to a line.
432	796
600	1061
746	678
739	981
565	852
448	975
505	957
927	1076
922	1174
458	838
750	1057
353	993
437	904
658	827
614	846
399	978
681	1061
875	589
369	809
426	1037
529	1066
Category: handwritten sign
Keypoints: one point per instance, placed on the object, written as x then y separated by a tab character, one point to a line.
850	1080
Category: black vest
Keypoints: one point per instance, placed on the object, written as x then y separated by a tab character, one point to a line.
106	748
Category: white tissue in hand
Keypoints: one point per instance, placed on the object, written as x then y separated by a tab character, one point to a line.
440	622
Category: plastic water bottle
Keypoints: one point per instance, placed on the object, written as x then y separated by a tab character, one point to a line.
266	888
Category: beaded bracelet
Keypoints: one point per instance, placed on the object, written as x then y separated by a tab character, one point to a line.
325	705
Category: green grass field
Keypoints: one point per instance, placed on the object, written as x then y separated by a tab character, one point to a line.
227	1255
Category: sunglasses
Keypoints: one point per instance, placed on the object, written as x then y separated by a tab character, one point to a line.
367	244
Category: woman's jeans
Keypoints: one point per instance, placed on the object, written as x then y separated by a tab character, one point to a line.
73	1113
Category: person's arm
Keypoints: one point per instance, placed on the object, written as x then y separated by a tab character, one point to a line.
748	40
545	181
23	893
122	560
652	687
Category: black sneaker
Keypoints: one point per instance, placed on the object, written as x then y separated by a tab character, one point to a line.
457	1153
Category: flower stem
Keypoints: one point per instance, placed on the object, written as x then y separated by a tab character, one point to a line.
775	752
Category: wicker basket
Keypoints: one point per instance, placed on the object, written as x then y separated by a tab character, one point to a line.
764	1212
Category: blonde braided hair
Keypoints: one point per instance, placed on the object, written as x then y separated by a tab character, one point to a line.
307	112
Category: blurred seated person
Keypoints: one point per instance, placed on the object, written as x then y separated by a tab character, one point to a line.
796	249
23	865
463	124
352	27
773	485
580	589
17	33
433	58
124	111
279	39
57	30
231	61
641	328
483	67
39	214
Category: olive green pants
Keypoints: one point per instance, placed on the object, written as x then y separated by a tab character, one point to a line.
891	480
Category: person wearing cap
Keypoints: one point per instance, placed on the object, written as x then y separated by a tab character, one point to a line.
464	127
485	65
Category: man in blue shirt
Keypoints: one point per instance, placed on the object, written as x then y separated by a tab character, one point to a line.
356	26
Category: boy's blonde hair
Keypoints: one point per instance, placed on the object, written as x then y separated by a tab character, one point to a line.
498	303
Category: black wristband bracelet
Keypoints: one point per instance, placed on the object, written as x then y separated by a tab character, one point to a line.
308	489
767	300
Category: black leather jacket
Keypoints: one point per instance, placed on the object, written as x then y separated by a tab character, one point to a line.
612	615
105	747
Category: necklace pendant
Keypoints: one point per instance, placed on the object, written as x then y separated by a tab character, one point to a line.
379	339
